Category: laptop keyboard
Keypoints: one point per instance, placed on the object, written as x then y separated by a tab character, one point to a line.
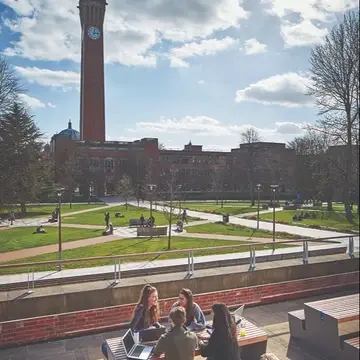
138	350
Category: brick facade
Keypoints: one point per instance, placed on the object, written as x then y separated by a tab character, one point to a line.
81	322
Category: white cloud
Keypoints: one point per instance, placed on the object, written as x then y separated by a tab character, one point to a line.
286	90
50	30
252	47
204	47
32	102
209	127
46	77
49	104
201	82
303	34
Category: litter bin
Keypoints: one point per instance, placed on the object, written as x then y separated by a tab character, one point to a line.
225	218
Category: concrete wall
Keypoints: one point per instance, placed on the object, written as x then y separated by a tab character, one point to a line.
84	296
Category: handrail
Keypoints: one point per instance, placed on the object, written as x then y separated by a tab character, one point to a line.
136	255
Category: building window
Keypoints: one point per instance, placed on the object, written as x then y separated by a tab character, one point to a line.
109	165
123	166
94	164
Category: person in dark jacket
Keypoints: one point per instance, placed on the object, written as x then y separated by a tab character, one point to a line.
222	344
178	343
195	319
146	313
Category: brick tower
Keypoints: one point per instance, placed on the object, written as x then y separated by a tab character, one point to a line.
92	97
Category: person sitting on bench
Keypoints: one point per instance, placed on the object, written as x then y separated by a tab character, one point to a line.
142	220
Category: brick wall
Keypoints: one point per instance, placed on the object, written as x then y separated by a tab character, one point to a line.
80	322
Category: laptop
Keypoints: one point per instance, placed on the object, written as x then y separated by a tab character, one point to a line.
151	334
136	351
237	314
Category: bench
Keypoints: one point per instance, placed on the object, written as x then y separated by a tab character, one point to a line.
151	231
297	324
327	325
253	344
135	222
351	349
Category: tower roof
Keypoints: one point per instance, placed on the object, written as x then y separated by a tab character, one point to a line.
75	135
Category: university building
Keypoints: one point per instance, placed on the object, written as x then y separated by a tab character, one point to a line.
247	165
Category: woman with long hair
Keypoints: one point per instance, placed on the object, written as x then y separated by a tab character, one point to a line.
195	319
146	313
222	344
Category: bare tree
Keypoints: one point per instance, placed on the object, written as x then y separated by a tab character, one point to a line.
335	86
10	86
220	171
171	210
314	166
125	188
250	136
161	146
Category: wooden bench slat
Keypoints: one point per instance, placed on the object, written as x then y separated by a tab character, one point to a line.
354	342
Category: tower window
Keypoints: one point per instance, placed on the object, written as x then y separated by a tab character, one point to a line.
109	165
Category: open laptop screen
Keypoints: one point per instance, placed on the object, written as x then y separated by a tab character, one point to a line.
128	341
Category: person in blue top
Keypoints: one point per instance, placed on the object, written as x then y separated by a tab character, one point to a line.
195	319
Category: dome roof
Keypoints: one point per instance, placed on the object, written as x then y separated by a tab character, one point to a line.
75	135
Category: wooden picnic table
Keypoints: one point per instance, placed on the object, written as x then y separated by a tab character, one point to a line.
253	344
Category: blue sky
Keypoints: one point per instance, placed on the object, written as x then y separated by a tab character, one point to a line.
178	70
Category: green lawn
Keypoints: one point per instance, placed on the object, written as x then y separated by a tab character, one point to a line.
232	208
237	230
46	210
23	238
133	212
133	246
331	220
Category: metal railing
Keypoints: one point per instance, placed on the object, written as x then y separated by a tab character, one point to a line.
190	255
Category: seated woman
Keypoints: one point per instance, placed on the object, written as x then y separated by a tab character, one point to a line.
195	319
146	313
222	344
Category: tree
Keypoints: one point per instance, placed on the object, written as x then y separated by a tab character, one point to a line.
220	171
125	188
21	152
335	86
172	187
71	174
314	168
161	146
250	136
10	86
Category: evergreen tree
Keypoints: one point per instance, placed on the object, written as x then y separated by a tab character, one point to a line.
20	148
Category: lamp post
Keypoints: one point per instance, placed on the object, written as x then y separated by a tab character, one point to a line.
151	188
59	194
273	189
258	189
179	187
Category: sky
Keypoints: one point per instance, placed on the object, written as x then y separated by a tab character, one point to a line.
179	70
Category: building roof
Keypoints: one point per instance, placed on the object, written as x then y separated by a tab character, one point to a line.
75	135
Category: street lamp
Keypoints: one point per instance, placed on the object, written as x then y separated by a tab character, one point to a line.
151	188
179	187
59	194
258	189
273	189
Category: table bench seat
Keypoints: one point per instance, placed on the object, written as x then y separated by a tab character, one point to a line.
327	325
351	349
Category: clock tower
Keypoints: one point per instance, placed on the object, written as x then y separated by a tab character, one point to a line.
92	97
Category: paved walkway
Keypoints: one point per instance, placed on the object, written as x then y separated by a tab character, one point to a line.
24	253
272	318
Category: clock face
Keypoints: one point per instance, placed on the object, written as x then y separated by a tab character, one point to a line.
93	32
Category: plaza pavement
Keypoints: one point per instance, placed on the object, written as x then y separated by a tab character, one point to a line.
272	318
